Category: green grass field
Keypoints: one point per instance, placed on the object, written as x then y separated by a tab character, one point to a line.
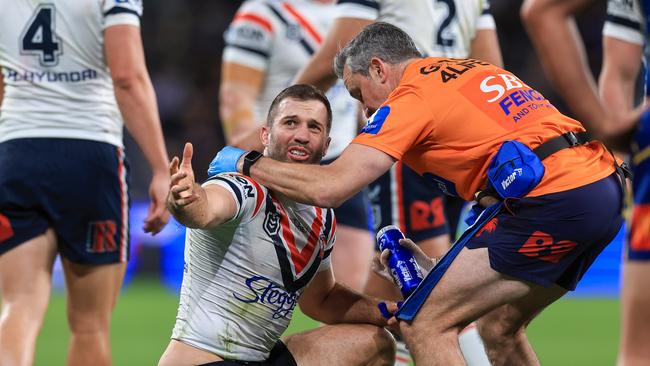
571	332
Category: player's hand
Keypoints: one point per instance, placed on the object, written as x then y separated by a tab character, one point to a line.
226	161
157	215
388	310
426	263
182	187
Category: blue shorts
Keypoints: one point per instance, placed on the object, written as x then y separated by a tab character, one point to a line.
403	198
77	187
356	211
638	243
279	356
553	239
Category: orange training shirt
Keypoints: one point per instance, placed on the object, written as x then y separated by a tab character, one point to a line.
448	117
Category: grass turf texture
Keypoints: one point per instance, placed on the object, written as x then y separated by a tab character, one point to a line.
570	332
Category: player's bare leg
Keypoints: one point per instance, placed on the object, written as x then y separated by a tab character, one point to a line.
343	344
635	315
92	292
468	290
351	256
25	284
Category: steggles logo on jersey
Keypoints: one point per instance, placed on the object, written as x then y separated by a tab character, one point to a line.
265	291
506	99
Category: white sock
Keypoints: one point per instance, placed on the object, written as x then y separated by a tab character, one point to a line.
472	347
402	357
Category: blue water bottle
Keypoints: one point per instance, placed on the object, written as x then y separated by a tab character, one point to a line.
401	263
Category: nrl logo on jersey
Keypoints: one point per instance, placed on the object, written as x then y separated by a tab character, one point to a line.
271	224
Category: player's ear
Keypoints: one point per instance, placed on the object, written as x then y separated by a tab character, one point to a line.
327	145
264	135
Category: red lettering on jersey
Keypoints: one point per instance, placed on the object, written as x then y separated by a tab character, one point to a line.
541	245
6	231
490	226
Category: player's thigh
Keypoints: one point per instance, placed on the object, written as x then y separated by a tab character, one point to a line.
340	344
92	293
25	271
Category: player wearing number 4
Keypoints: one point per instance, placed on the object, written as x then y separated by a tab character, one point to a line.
252	255
74	75
450	129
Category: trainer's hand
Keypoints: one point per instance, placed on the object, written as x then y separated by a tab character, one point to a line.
425	262
225	161
182	187
157	215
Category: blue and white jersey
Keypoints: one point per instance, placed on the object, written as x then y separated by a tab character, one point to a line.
278	37
441	28
625	21
243	278
57	83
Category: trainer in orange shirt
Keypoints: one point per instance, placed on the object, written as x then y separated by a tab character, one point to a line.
446	118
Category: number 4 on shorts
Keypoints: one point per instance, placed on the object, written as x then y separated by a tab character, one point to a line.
39	36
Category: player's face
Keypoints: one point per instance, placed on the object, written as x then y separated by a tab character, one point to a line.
299	132
369	90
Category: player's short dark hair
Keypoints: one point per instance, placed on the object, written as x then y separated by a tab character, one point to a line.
301	92
381	40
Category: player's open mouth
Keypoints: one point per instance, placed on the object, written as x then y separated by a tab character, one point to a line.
297	153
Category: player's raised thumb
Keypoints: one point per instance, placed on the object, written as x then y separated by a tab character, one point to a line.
188	151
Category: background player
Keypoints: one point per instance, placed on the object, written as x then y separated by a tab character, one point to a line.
266	45
252	254
550	26
401	197
63	174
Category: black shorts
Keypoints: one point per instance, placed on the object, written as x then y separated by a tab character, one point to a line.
279	356
554	238
403	198
77	187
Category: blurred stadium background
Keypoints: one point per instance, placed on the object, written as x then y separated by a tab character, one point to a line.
183	42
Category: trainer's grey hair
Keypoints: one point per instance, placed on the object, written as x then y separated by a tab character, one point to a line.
382	40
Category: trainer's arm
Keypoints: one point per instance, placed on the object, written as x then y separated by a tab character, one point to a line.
319	71
621	66
323	185
330	302
192	205
239	88
137	102
553	30
485	47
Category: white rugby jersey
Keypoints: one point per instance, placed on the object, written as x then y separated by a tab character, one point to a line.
625	21
243	278
278	38
57	83
442	28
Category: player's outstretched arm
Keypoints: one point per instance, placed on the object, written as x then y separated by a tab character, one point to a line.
192	205
552	29
238	91
319	71
330	302
137	102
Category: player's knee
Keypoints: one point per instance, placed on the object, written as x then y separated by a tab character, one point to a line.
497	334
88	322
529	11
384	344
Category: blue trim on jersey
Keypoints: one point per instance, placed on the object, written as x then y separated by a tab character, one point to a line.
624	22
366	3
303	42
121	10
232	185
251	50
